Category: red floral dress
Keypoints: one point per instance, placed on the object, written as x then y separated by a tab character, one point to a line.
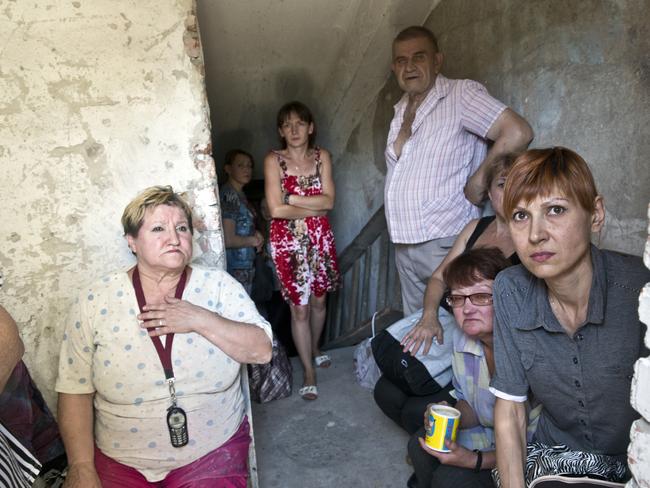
303	250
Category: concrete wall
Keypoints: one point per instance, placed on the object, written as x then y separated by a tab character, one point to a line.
578	71
98	100
331	54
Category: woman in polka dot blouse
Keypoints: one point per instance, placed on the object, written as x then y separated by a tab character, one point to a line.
125	419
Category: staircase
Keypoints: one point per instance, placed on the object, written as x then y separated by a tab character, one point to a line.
370	284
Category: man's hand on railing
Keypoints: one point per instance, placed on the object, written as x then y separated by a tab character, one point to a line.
422	335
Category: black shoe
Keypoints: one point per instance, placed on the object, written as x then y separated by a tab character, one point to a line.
412	482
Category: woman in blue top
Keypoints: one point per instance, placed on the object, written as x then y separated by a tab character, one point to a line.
241	239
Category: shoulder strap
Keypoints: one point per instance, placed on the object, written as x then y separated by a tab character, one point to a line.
317	158
164	352
478	230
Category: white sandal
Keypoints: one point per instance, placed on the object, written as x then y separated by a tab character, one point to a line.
309	392
323	361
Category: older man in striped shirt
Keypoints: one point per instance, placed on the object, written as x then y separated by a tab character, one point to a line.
437	153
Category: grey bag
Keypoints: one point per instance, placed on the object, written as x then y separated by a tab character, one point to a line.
365	367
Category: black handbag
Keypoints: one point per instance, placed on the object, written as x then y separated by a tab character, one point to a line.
262	280
402	369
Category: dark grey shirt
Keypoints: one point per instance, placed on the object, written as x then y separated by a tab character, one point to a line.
583	382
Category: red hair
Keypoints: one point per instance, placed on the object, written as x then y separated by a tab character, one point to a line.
537	172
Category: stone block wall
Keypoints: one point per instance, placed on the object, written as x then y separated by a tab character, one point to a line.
639	450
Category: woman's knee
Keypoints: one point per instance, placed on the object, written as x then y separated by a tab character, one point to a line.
382	390
300	312
424	464
412	418
377	391
221	482
317	304
389	398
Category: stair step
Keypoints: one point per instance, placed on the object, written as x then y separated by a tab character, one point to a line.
383	319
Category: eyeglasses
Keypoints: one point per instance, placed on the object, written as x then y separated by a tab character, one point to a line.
478	299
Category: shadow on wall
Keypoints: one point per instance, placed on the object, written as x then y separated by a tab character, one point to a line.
386	99
575	70
260	134
296	84
223	142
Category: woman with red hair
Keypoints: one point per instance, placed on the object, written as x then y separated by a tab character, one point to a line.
567	329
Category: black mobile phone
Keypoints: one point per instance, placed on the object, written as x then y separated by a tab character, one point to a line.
177	426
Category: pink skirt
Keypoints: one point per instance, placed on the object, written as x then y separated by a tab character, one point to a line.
225	467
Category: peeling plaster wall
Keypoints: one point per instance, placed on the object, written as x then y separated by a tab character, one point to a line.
578	71
98	100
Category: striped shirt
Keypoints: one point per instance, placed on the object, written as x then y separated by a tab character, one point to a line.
423	195
18	468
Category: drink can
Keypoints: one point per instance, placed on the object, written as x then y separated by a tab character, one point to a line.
443	424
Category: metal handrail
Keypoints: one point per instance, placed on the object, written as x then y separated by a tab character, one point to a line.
370	284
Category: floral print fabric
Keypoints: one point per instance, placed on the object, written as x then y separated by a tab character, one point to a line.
303	250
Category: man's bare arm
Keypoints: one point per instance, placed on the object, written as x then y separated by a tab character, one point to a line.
511	134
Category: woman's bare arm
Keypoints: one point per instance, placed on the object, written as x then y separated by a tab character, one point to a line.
510	431
461	456
245	343
429	326
75	416
324	201
273	190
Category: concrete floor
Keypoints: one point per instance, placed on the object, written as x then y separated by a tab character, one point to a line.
340	440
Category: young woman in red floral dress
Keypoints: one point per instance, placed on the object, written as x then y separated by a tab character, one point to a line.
300	191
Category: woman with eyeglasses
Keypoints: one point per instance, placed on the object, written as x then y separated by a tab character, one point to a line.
468	464
491	231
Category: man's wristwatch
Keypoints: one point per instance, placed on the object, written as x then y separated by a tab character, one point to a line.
285	199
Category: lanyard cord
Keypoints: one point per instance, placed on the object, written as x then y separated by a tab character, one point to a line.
164	353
